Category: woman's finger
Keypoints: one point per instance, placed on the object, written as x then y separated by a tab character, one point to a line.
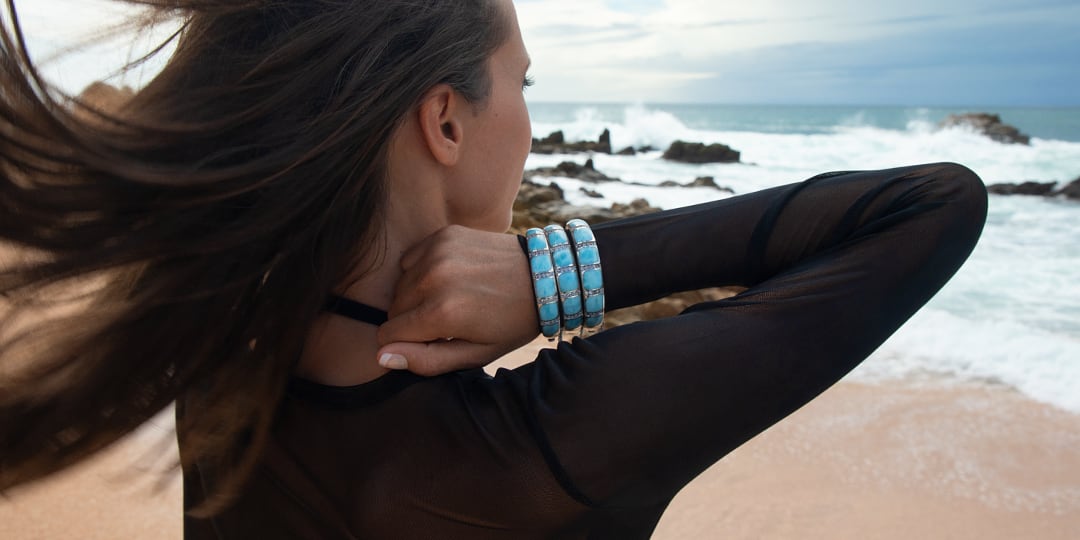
438	357
421	324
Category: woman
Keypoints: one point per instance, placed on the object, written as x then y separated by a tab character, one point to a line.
297	150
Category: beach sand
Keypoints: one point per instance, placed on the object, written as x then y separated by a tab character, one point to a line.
889	461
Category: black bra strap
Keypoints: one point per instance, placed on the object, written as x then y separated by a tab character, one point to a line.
355	310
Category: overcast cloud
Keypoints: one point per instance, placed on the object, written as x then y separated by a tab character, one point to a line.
911	52
904	52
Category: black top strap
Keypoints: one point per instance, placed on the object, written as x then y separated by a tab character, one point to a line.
355	310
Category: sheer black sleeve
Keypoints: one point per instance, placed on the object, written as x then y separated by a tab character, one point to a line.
834	266
594	438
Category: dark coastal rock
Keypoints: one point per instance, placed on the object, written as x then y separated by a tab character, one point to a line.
569	169
703	181
555	143
1024	188
628	151
686	152
989	125
591	194
539	205
556	137
1071	190
532	194
636	207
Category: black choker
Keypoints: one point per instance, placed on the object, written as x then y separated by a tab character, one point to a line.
356	311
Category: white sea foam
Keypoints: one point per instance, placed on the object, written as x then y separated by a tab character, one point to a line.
1010	316
851	144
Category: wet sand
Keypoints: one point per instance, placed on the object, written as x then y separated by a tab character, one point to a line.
889	461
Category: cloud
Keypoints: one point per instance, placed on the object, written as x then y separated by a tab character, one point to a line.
839	51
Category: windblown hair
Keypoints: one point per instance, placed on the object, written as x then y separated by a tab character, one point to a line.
184	244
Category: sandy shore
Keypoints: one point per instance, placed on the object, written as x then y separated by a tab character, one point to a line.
862	461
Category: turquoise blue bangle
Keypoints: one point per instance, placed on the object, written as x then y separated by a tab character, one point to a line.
544	285
592	275
567	277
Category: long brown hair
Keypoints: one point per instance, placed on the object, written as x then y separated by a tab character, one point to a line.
187	242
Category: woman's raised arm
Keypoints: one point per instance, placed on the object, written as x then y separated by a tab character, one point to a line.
834	266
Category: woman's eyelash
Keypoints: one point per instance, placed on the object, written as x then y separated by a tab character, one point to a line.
529	81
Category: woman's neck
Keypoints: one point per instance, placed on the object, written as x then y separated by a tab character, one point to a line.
342	352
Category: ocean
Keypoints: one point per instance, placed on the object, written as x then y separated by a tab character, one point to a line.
1010	316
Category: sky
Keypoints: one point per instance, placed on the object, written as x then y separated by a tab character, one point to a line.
896	52
831	52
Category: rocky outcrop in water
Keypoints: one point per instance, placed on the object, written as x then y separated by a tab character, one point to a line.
1071	190
989	125
539	205
1045	189
569	169
1023	188
688	152
555	143
703	181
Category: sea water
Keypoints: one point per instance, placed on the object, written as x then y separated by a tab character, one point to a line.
1010	316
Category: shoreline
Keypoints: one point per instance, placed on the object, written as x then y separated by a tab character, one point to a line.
865	460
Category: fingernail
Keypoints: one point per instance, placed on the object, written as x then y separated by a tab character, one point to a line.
393	361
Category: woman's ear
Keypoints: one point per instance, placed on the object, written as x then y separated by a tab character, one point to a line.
440	124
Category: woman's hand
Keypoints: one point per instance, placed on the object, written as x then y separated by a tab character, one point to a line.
460	283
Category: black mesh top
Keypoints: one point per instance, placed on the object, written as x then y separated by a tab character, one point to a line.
594	438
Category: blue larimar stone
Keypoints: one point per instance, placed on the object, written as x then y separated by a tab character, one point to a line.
581	234
541	264
545	287
564	257
592	280
587	256
572	305
574	323
551	331
594	304
549	312
537	242
556	235
593	322
568	282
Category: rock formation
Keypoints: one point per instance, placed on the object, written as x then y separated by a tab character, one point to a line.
539	205
700	153
703	181
569	169
555	143
1071	190
1046	189
1024	188
989	125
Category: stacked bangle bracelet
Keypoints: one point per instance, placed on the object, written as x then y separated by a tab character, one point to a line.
592	276
543	274
567	279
